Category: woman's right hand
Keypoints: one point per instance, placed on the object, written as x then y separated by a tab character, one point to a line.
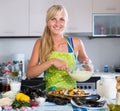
60	64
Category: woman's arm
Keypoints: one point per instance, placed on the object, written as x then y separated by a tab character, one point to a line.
80	50
81	54
35	68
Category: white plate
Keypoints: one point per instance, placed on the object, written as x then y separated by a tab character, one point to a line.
83	106
66	94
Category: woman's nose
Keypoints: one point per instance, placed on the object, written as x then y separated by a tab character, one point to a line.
57	22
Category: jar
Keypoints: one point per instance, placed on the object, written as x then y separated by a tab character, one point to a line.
106	87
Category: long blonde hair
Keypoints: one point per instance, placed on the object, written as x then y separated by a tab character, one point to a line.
46	45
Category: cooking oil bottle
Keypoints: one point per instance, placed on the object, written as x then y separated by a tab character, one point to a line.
118	97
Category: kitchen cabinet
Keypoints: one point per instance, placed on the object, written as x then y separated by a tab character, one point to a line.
13	18
27	17
106	6
106	25
80	15
38	10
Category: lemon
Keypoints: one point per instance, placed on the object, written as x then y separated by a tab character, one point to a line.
18	96
22	97
25	98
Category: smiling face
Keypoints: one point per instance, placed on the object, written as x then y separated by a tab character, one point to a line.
56	19
57	23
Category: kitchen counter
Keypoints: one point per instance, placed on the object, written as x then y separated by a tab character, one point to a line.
47	106
101	74
52	107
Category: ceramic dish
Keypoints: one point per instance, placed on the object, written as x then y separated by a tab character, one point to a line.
103	106
76	95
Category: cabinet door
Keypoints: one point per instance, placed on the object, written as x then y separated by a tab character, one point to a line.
38	10
106	6
80	15
13	18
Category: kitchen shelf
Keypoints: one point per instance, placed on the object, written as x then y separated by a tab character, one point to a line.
93	37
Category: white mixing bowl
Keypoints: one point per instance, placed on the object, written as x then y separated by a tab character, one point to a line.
81	76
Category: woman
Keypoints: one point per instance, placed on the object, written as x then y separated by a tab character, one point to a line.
54	53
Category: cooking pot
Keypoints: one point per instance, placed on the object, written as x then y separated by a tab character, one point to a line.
106	87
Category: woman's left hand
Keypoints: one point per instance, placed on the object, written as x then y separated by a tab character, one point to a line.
88	68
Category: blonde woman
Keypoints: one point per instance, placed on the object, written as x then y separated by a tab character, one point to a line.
54	53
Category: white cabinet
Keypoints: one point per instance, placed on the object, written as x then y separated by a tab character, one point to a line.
38	10
79	11
14	17
80	15
106	6
27	17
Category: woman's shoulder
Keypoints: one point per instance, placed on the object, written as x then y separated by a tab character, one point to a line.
76	39
37	43
38	40
73	38
77	42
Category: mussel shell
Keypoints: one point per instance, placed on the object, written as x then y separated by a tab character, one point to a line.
95	103
57	100
93	97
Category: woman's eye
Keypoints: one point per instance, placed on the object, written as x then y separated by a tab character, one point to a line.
62	19
53	19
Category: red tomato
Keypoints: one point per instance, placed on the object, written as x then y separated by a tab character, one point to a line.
34	103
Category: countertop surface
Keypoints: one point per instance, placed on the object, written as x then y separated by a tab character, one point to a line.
103	74
47	106
50	106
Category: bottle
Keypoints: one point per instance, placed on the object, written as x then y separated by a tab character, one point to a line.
118	97
9	66
118	90
20	73
6	80
15	68
106	68
102	30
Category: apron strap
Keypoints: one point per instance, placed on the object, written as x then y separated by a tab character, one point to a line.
70	44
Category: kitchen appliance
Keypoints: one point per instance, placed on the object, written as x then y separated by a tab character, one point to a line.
117	69
106	86
90	84
21	59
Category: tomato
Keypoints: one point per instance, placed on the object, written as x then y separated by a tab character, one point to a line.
34	103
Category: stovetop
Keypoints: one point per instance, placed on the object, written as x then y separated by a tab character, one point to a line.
89	84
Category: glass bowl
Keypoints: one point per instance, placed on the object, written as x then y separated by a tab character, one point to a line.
82	72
